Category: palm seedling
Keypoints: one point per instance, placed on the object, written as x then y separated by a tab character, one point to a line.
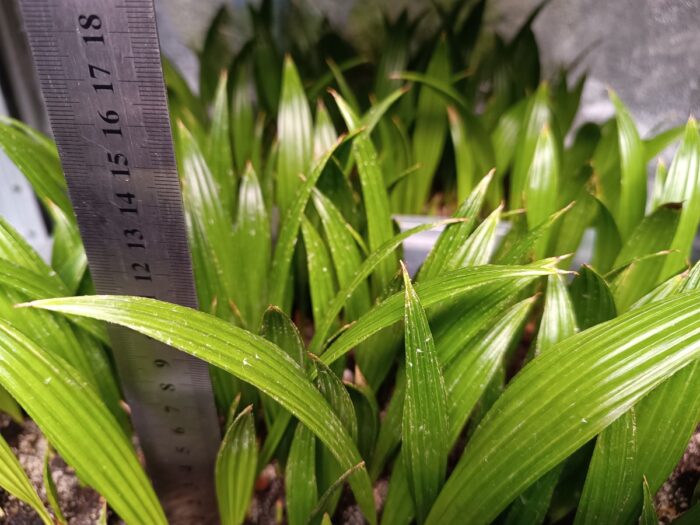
493	386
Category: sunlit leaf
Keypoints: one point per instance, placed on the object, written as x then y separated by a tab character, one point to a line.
448	250
558	319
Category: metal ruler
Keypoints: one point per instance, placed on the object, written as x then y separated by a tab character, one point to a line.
98	63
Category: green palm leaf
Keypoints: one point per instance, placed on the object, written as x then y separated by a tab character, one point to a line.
246	356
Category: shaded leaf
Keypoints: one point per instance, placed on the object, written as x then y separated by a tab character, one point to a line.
322	284
300	477
235	470
592	299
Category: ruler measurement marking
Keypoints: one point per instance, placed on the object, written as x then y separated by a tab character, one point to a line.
120	167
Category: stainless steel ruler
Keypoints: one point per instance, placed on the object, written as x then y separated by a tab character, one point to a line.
98	63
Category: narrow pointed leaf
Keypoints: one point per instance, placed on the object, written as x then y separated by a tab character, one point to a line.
251	238
653	235
379	109
521	249
389	436
367	412
450	244
239	352
322	284
633	176
324	130
683	185
301	489
542	184
14	480
465	164
466	380
294	130
370	263
558	323
242	119
50	487
430	131
289	231
673	409
505	136
78	425
479	247
612	467
329	470
537	115
432	292
470	372
209	218
37	158
343	86
345	253
379	225
10	407
235	469
558	319
68	257
279	329
592	299
653	146
424	434
218	146
542	417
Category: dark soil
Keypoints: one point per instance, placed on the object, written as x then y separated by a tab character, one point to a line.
676	494
82	505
